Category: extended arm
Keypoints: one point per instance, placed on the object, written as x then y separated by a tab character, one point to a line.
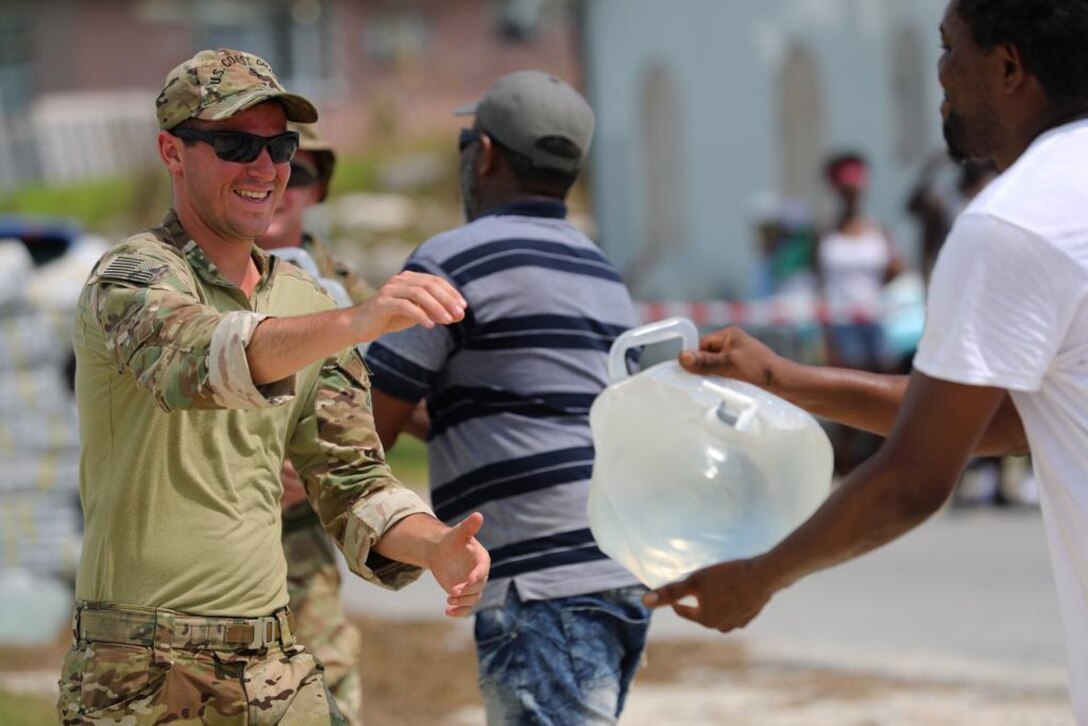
386	532
868	401
457	560
909	478
189	355
282	346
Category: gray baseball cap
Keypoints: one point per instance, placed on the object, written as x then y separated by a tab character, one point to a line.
539	116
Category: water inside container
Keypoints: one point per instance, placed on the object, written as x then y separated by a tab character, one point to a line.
691	471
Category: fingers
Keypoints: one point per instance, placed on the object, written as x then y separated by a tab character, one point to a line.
466	593
716	341
668	594
407	299
689	361
468	527
434	295
713	353
695	361
458	612
463	598
687	612
473	584
424	299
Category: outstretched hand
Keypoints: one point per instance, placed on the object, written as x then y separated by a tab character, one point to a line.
461	565
407	299
728	595
733	353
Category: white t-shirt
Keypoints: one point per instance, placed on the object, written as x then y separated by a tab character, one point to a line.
1007	308
854	268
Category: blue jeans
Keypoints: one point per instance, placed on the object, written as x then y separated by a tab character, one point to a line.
561	662
859	345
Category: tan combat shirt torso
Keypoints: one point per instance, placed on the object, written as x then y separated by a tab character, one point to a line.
181	453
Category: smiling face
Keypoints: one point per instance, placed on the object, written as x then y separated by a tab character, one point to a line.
228	201
966	74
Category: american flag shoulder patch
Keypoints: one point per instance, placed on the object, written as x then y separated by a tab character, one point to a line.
130	268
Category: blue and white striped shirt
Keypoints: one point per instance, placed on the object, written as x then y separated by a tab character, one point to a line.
509	390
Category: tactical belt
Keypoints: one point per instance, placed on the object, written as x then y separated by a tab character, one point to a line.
156	627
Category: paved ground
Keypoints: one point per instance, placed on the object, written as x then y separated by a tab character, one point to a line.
967	598
955	625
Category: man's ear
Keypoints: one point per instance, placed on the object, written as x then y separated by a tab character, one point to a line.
486	157
170	151
317	191
1013	73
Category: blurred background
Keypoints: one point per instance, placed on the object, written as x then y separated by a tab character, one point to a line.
708	186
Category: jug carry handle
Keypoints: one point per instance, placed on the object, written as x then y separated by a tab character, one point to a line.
647	335
736	409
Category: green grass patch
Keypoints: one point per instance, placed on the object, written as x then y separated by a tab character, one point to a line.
354	174
408	460
362	172
22	710
96	205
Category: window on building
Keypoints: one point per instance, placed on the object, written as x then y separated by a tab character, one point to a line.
663	172
800	125
292	35
910	113
15	60
396	36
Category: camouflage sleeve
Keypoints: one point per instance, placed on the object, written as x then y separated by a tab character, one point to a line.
336	450
186	354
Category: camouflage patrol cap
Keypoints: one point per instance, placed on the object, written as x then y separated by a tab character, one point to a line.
216	84
324	156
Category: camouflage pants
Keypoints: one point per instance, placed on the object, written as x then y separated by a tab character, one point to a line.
313	584
163	667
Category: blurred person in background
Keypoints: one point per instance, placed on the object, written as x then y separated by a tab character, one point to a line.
935	206
786	234
854	260
313	578
561	627
202	364
311	171
1001	366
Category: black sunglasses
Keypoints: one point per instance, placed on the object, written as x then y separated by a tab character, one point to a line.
301	176
468	138
242	148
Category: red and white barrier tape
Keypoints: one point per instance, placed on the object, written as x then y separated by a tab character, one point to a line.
770	312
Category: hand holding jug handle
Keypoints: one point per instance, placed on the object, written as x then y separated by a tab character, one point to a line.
647	335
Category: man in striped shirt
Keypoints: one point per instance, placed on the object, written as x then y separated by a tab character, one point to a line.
560	629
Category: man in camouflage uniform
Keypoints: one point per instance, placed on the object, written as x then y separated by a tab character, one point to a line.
313	578
201	364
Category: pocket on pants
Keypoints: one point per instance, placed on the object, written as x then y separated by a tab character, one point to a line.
116	678
604	632
495	631
493	627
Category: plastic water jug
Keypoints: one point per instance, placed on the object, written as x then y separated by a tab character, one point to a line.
695	470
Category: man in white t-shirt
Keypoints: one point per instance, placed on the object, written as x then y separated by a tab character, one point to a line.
1003	364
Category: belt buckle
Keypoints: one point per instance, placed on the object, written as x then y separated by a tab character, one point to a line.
264	633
